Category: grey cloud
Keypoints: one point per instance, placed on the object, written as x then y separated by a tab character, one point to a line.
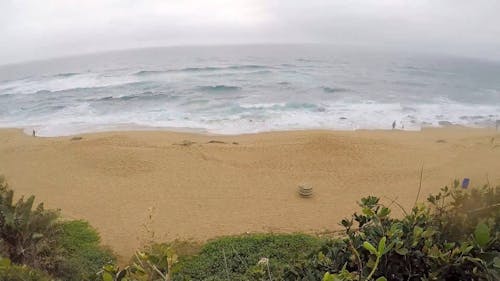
40	29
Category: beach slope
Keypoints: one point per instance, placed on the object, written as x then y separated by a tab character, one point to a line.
202	186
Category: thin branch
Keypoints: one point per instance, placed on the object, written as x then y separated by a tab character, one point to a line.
393	201
239	257
139	259
269	271
494	206
358	259
419	185
225	264
157	271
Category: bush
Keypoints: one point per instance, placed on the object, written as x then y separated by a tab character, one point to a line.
251	257
83	256
152	264
28	235
10	272
454	237
36	237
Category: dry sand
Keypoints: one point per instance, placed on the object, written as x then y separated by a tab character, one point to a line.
201	189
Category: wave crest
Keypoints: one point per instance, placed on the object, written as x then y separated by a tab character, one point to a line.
218	88
201	69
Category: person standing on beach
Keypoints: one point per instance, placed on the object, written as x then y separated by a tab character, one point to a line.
394	125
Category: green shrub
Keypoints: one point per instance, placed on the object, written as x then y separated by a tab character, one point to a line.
152	264
28	235
251	257
10	272
37	238
83	256
454	237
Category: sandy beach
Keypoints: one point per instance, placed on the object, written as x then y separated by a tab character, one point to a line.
203	186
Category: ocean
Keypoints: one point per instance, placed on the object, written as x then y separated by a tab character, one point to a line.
248	89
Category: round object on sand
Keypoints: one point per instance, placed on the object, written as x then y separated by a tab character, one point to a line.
305	190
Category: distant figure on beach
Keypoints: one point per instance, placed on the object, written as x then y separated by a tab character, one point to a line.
34	133
394	125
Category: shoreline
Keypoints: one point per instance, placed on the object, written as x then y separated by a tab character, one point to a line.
202	186
117	128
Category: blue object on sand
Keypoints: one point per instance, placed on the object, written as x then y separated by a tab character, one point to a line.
465	183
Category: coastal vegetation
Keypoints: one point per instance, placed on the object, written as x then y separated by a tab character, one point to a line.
455	235
36	244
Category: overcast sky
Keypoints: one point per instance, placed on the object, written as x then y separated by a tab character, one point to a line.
39	29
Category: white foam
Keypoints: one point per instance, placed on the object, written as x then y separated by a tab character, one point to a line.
336	116
370	96
53	84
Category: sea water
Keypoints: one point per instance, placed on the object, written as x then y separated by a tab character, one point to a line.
248	89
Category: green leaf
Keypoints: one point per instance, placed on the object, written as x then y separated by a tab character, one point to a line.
384	212
402	251
428	233
381	278
109	268
496	262
434	252
449	246
467	250
417	231
37	236
328	277
482	234
106	276
395	230
139	268
368	212
381	246
4	262
389	247
370	247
